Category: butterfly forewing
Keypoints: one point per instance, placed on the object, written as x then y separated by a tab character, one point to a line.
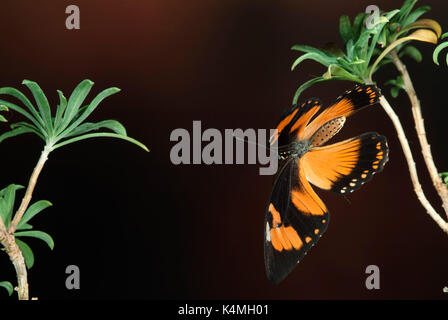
293	121
347	104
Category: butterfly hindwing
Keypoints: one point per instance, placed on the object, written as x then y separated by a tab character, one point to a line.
345	166
295	220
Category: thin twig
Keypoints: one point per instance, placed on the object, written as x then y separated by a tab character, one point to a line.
411	164
440	187
29	190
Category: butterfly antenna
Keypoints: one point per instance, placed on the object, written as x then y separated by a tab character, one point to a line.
252	142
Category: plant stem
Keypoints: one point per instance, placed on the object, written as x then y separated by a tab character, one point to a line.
14	253
29	190
7	240
440	187
7	236
411	164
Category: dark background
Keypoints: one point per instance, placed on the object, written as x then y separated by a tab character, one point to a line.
141	227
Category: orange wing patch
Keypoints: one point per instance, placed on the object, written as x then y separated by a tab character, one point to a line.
286	121
281	237
281	126
350	102
345	166
310	108
305	199
325	165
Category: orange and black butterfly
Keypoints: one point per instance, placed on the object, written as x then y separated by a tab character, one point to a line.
295	216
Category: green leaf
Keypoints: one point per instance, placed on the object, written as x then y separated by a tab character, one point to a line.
412	52
394	91
42	104
397	85
25	226
3	119
99	135
113	125
322	59
15	132
74	103
358	24
4	191
350	47
32	210
391	14
90	108
20	96
8	286
37	234
362	42
382	39
310	49
310	83
435	55
335	70
345	29
377	32
7	199
23	112
60	110
400	82
390	82
26	252
413	16
29	126
406	9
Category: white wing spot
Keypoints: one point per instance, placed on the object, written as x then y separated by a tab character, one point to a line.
268	232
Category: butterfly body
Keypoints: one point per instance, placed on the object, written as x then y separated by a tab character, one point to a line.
295	149
295	216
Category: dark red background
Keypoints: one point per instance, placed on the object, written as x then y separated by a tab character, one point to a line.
140	227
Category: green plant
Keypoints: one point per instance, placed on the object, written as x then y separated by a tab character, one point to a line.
367	49
68	125
444	176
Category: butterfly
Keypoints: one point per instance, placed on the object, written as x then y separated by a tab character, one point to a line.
296	217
